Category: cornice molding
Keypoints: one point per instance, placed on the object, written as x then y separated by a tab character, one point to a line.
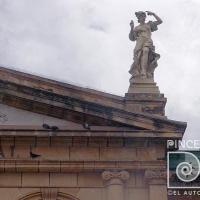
36	166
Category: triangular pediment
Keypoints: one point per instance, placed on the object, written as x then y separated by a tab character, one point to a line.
11	116
75	104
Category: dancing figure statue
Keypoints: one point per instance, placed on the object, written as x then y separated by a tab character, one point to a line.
145	58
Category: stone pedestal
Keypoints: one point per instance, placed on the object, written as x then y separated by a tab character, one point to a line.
115	184
146	86
144	96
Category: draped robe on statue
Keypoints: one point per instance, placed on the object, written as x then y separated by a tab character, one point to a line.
142	35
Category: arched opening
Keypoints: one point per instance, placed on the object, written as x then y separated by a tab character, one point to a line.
63	196
38	196
32	196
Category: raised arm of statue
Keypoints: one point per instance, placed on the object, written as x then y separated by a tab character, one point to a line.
158	19
132	35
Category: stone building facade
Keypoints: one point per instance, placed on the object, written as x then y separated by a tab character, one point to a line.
63	142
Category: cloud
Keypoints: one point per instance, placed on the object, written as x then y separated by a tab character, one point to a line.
86	42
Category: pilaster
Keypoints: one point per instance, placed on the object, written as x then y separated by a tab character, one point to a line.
114	182
157	181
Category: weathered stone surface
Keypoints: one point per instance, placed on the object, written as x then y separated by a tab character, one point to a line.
16	193
156	177
49	193
138	193
139	179
143	86
145	154
142	70
63	180
118	154
10	180
157	191
140	98
35	180
120	141
145	57
87	193
90	180
84	153
114	181
54	104
51	153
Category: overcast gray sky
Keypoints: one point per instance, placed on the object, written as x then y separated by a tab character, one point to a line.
85	42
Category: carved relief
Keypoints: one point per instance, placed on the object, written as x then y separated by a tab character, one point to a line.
122	175
155	174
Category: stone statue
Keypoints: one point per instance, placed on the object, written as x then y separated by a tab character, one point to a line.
145	58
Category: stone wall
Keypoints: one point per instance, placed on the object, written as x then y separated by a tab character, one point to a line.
82	168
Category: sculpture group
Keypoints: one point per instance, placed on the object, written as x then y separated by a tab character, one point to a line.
144	56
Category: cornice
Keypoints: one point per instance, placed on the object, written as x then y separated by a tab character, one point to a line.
15	166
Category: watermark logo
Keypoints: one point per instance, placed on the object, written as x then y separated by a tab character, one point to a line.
183	169
184	144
